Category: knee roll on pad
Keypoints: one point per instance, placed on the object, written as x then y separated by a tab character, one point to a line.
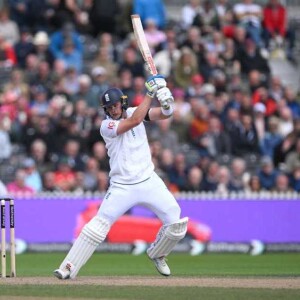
96	229
167	238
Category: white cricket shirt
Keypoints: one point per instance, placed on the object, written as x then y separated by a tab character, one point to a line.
129	153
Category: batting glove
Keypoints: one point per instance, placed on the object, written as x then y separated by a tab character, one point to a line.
154	83
165	97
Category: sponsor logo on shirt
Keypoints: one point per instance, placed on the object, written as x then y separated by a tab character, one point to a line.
111	125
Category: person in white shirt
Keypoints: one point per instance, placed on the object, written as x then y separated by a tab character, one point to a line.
132	179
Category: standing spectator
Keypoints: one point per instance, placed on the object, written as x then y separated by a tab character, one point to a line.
8	28
154	9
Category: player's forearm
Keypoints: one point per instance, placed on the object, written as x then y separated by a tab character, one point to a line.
139	114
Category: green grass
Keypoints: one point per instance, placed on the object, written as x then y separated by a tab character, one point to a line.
214	265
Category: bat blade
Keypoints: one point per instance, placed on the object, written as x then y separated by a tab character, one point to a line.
143	44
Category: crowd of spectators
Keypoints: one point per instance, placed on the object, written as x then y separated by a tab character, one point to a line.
236	126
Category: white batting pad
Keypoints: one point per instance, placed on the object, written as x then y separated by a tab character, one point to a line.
167	238
91	236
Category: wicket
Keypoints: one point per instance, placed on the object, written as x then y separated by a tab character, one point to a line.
12	238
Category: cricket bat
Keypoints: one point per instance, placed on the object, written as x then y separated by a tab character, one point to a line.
143	44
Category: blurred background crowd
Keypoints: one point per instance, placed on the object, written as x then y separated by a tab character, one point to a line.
236	125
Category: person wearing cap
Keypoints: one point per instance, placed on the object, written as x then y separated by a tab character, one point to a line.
41	47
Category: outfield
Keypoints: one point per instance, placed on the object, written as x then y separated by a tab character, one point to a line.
123	276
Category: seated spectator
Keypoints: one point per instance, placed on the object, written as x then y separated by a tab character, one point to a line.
251	59
154	36
185	68
166	58
210	66
275	26
23	47
180	125
272	138
293	158
215	141
103	182
99	152
131	62
59	38
17	84
39	103
225	17
239	174
7	54
216	44
207	18
49	184
8	28
286	123
211	178
151	10
189	12
195	88
294	178
70	56
261	96
267	173
72	152
256	80
292	101
70	81
199	124
254	185
244	138
259	111
138	91
41	48
18	186
33	177
180	103
90	175
282	184
249	15
64	175
104	61
5	141
3	190
194	180
223	186
276	89
178	173
39	152
194	42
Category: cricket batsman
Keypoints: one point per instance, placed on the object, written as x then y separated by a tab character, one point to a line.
132	179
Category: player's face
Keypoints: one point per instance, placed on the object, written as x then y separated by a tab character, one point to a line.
115	111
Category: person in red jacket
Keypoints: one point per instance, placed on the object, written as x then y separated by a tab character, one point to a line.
275	25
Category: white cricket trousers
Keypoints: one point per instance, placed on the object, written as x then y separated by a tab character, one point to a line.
151	193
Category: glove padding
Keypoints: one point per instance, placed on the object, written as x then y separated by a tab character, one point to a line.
165	97
154	83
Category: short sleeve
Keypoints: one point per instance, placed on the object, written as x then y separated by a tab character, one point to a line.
109	128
